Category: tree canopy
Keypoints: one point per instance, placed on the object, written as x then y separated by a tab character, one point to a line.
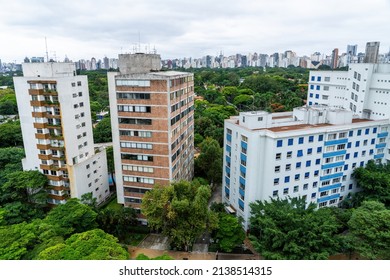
179	211
286	229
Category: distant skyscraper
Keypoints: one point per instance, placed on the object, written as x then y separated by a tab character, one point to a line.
106	62
372	50
335	59
352	50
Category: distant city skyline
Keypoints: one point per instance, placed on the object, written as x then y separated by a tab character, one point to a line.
183	28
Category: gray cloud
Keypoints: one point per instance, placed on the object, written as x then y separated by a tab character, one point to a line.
82	29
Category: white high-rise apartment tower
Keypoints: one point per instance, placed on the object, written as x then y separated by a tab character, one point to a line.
55	118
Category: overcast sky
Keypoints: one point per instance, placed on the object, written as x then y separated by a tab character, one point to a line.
182	28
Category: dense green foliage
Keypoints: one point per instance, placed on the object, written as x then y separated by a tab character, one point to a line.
89	245
8	105
286	229
229	233
102	131
370	230
145	257
209	161
117	221
10	134
179	211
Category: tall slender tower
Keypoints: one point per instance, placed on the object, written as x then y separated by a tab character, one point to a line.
372	51
335	59
152	126
56	125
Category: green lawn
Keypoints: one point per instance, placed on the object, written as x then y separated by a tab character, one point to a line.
114	205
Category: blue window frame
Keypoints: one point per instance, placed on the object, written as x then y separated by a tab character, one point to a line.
318	87
374	130
349	145
297	176
313	78
318	161
372	141
316	172
359	132
319	149
347	156
310	103
311	95
300	153
367	131
300	140
311	86
313	195
350	134
290	141
361	163
307	174
311	139
309	151
308	163
287	179
350	186
317	96
276	181
346	167
320	137
279	143
355	154
371	152
357	144
319	79
315	184
298	165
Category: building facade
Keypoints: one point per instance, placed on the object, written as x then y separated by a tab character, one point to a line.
372	52
55	118
364	89
310	153
152	126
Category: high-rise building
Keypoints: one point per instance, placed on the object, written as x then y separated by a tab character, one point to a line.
309	153
372	51
364	89
352	50
55	118
335	59
152	126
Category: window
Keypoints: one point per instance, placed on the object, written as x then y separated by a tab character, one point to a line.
285	191
357	144
309	151
290	141
332	136
287	179
327	79
296	188
275	193
81	104
288	167
300	140
276	181
316	172
355	154
289	154
279	143
278	156
300	153
305	187
320	138
319	149
350	134
135	121
132	95
298	165
311	139
308	163
277	168
318	161
359	132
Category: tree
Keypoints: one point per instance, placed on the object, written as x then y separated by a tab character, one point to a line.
117	221
26	187
285	229
370	230
229	232
10	155
72	217
179	211
10	134
374	179
209	162
90	245
102	131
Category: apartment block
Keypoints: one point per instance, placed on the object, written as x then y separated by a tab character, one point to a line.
310	153
55	118
152	126
364	89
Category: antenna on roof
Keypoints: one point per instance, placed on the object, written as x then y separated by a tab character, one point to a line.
47	53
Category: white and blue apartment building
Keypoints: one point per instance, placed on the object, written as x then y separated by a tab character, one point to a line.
310	153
